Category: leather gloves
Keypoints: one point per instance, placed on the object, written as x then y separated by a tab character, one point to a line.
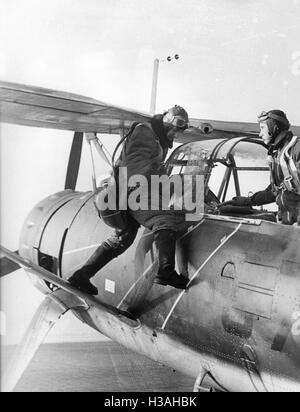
239	201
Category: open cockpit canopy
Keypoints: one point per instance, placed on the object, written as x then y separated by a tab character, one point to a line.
232	167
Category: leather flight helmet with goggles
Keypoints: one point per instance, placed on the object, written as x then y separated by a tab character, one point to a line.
177	117
276	120
277	115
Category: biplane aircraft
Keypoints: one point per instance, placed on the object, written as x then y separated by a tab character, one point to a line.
236	327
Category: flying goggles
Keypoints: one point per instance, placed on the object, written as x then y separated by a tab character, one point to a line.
176	121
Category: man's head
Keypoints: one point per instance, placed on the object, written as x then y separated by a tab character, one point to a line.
272	123
174	120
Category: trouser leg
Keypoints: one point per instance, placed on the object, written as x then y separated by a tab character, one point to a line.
165	241
165	225
156	220
100	258
105	253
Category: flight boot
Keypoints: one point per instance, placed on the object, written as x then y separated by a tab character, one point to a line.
81	278
165	241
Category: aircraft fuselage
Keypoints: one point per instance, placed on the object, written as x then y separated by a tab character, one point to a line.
239	320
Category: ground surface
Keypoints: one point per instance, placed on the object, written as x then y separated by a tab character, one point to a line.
95	367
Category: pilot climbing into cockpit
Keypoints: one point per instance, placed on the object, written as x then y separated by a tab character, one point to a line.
284	162
144	153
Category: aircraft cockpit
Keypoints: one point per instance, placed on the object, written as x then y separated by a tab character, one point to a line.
231	167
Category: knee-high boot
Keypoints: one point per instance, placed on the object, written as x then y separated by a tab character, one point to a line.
81	278
165	241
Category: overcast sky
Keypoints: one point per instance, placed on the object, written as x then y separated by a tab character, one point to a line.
237	57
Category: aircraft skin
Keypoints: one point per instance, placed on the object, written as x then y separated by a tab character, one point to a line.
236	328
241	310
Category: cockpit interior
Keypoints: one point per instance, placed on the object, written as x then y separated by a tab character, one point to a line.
232	167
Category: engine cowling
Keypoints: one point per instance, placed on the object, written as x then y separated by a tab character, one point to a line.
35	228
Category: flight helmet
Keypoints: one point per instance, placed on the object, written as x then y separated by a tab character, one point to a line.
177	117
276	120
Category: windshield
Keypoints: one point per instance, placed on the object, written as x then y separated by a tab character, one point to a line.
233	167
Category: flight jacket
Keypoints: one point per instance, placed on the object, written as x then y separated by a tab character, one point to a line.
145	150
270	194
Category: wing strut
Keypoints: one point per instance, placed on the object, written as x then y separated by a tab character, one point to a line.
74	161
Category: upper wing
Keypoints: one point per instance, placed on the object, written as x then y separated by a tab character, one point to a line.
214	129
39	107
